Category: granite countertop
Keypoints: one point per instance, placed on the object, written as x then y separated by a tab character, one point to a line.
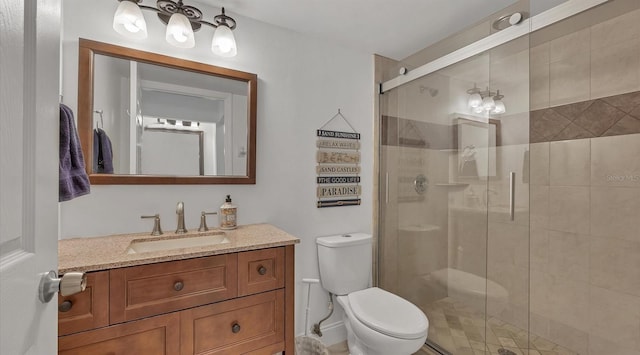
110	252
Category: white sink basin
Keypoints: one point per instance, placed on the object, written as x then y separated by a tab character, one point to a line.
177	242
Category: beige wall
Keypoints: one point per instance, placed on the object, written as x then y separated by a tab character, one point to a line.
585	197
597	61
585	246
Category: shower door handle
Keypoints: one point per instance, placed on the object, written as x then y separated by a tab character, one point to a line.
512	195
386	187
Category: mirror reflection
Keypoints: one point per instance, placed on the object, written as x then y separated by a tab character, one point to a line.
154	120
147	118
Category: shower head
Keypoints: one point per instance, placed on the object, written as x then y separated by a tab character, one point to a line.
508	20
433	92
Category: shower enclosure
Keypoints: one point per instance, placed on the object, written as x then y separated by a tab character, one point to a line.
509	185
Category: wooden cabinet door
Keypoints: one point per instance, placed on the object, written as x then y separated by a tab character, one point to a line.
151	336
147	290
234	327
260	270
85	310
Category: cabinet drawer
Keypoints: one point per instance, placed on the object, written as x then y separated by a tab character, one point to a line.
151	336
260	270
147	290
234	327
85	310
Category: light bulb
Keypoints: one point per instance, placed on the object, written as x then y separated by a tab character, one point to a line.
224	43
478	109
475	100
128	20
488	104
500	108
179	31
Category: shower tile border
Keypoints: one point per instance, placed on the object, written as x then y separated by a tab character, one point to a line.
608	116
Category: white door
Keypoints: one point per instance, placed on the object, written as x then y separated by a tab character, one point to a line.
29	116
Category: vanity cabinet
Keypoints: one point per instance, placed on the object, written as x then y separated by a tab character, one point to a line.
85	310
154	335
236	303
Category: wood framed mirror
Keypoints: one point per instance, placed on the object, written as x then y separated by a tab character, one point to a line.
127	96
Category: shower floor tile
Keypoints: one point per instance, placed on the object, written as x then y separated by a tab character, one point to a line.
462	330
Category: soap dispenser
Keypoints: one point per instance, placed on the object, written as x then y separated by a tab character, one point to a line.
228	214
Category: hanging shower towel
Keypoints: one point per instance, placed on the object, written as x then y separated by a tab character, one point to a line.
102	152
73	181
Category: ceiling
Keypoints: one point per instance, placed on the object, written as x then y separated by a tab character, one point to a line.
392	28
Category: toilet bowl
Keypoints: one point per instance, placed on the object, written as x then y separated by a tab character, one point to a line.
470	288
381	323
377	322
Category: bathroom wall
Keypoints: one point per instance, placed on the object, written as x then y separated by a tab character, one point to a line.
302	83
585	185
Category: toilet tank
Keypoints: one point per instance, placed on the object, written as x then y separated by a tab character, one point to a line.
345	262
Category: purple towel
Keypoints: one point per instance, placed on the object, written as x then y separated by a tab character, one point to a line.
102	152
74	181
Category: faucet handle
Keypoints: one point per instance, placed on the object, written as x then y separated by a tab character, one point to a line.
203	221
157	230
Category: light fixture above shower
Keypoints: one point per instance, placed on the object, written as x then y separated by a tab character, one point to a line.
480	101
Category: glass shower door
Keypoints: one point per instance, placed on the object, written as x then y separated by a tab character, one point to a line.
453	222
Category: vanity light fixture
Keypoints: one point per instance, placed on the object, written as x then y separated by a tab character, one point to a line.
485	101
181	20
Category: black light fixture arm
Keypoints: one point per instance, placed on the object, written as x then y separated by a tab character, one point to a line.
166	8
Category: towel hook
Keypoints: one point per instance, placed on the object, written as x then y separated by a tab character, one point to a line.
99	112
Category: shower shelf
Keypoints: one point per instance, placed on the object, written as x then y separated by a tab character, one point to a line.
452	184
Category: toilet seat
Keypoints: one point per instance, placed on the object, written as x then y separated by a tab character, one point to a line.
388	314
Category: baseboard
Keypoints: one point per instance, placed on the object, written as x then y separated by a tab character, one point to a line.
333	333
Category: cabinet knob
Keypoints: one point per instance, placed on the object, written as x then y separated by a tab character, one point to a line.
178	286
65	306
262	270
235	328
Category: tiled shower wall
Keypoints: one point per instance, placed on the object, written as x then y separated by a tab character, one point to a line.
585	243
585	188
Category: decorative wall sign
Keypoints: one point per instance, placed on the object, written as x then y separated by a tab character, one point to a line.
338	203
337	169
327	157
338	155
338	180
338	144
337	134
339	191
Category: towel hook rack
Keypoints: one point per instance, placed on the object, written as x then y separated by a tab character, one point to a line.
100	112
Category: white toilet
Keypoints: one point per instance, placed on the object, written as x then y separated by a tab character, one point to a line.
378	322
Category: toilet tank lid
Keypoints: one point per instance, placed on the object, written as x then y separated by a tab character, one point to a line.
343	240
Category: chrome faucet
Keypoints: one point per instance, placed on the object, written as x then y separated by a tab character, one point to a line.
180	212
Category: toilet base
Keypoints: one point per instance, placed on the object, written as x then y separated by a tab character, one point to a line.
366	341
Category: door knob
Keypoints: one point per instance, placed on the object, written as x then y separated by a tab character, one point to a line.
69	284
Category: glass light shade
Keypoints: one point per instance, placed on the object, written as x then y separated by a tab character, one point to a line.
475	100
478	109
500	108
179	32
128	20
224	43
488	104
